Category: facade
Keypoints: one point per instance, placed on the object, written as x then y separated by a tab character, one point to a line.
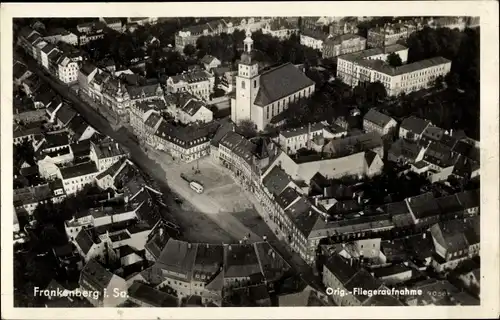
280	28
260	96
75	177
186	143
210	62
413	128
370	66
56	61
295	139
106	153
198	83
375	121
343	44
313	39
59	34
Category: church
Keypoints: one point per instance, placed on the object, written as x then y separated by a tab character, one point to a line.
262	95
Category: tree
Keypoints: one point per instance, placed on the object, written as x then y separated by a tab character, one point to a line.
394	60
189	50
247	128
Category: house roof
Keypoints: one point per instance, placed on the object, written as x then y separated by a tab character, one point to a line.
285	198
95	273
151	296
316	34
191	77
276	180
19	70
239	145
221	132
208	261
449	204
272	265
65	114
377	118
78	170
85	241
107	149
469	199
56	139
363	279
390	270
186	136
423	205
137	92
280	82
415	125
207	59
178	256
340	268
240	261
318	126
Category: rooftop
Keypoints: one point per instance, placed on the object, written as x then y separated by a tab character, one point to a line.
78	170
151	296
179	257
377	118
423	205
95	273
280	82
240	261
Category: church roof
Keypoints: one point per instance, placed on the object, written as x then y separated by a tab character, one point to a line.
280	82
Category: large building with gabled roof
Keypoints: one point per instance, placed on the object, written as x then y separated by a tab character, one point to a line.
264	94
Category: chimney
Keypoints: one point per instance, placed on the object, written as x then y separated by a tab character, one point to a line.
309	136
189	245
160	231
229	247
207	246
423	235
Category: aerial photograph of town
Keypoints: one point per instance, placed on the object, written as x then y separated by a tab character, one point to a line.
275	161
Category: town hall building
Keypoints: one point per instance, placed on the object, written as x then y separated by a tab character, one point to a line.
261	95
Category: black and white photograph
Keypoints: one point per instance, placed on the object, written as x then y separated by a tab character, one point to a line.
248	161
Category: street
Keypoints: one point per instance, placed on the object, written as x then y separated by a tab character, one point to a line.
201	217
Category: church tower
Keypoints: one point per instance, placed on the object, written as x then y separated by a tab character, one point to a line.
247	83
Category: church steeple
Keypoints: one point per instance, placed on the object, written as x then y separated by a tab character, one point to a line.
248	42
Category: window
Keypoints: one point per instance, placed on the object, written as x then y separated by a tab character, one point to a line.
255	83
242	84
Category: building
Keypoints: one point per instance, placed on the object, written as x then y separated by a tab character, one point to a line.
95	280
371	66
187	108
260	96
210	62
226	78
61	35
187	143
343	44
413	128
27	199
75	177
295	139
280	28
313	38
20	73
106	153
375	121
391	33
26	112
455	241
199	83
348	279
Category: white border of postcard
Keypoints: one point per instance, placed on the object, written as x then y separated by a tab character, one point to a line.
488	12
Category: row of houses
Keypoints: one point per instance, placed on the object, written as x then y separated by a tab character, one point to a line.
62	65
189	35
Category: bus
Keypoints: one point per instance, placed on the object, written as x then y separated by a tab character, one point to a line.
196	186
